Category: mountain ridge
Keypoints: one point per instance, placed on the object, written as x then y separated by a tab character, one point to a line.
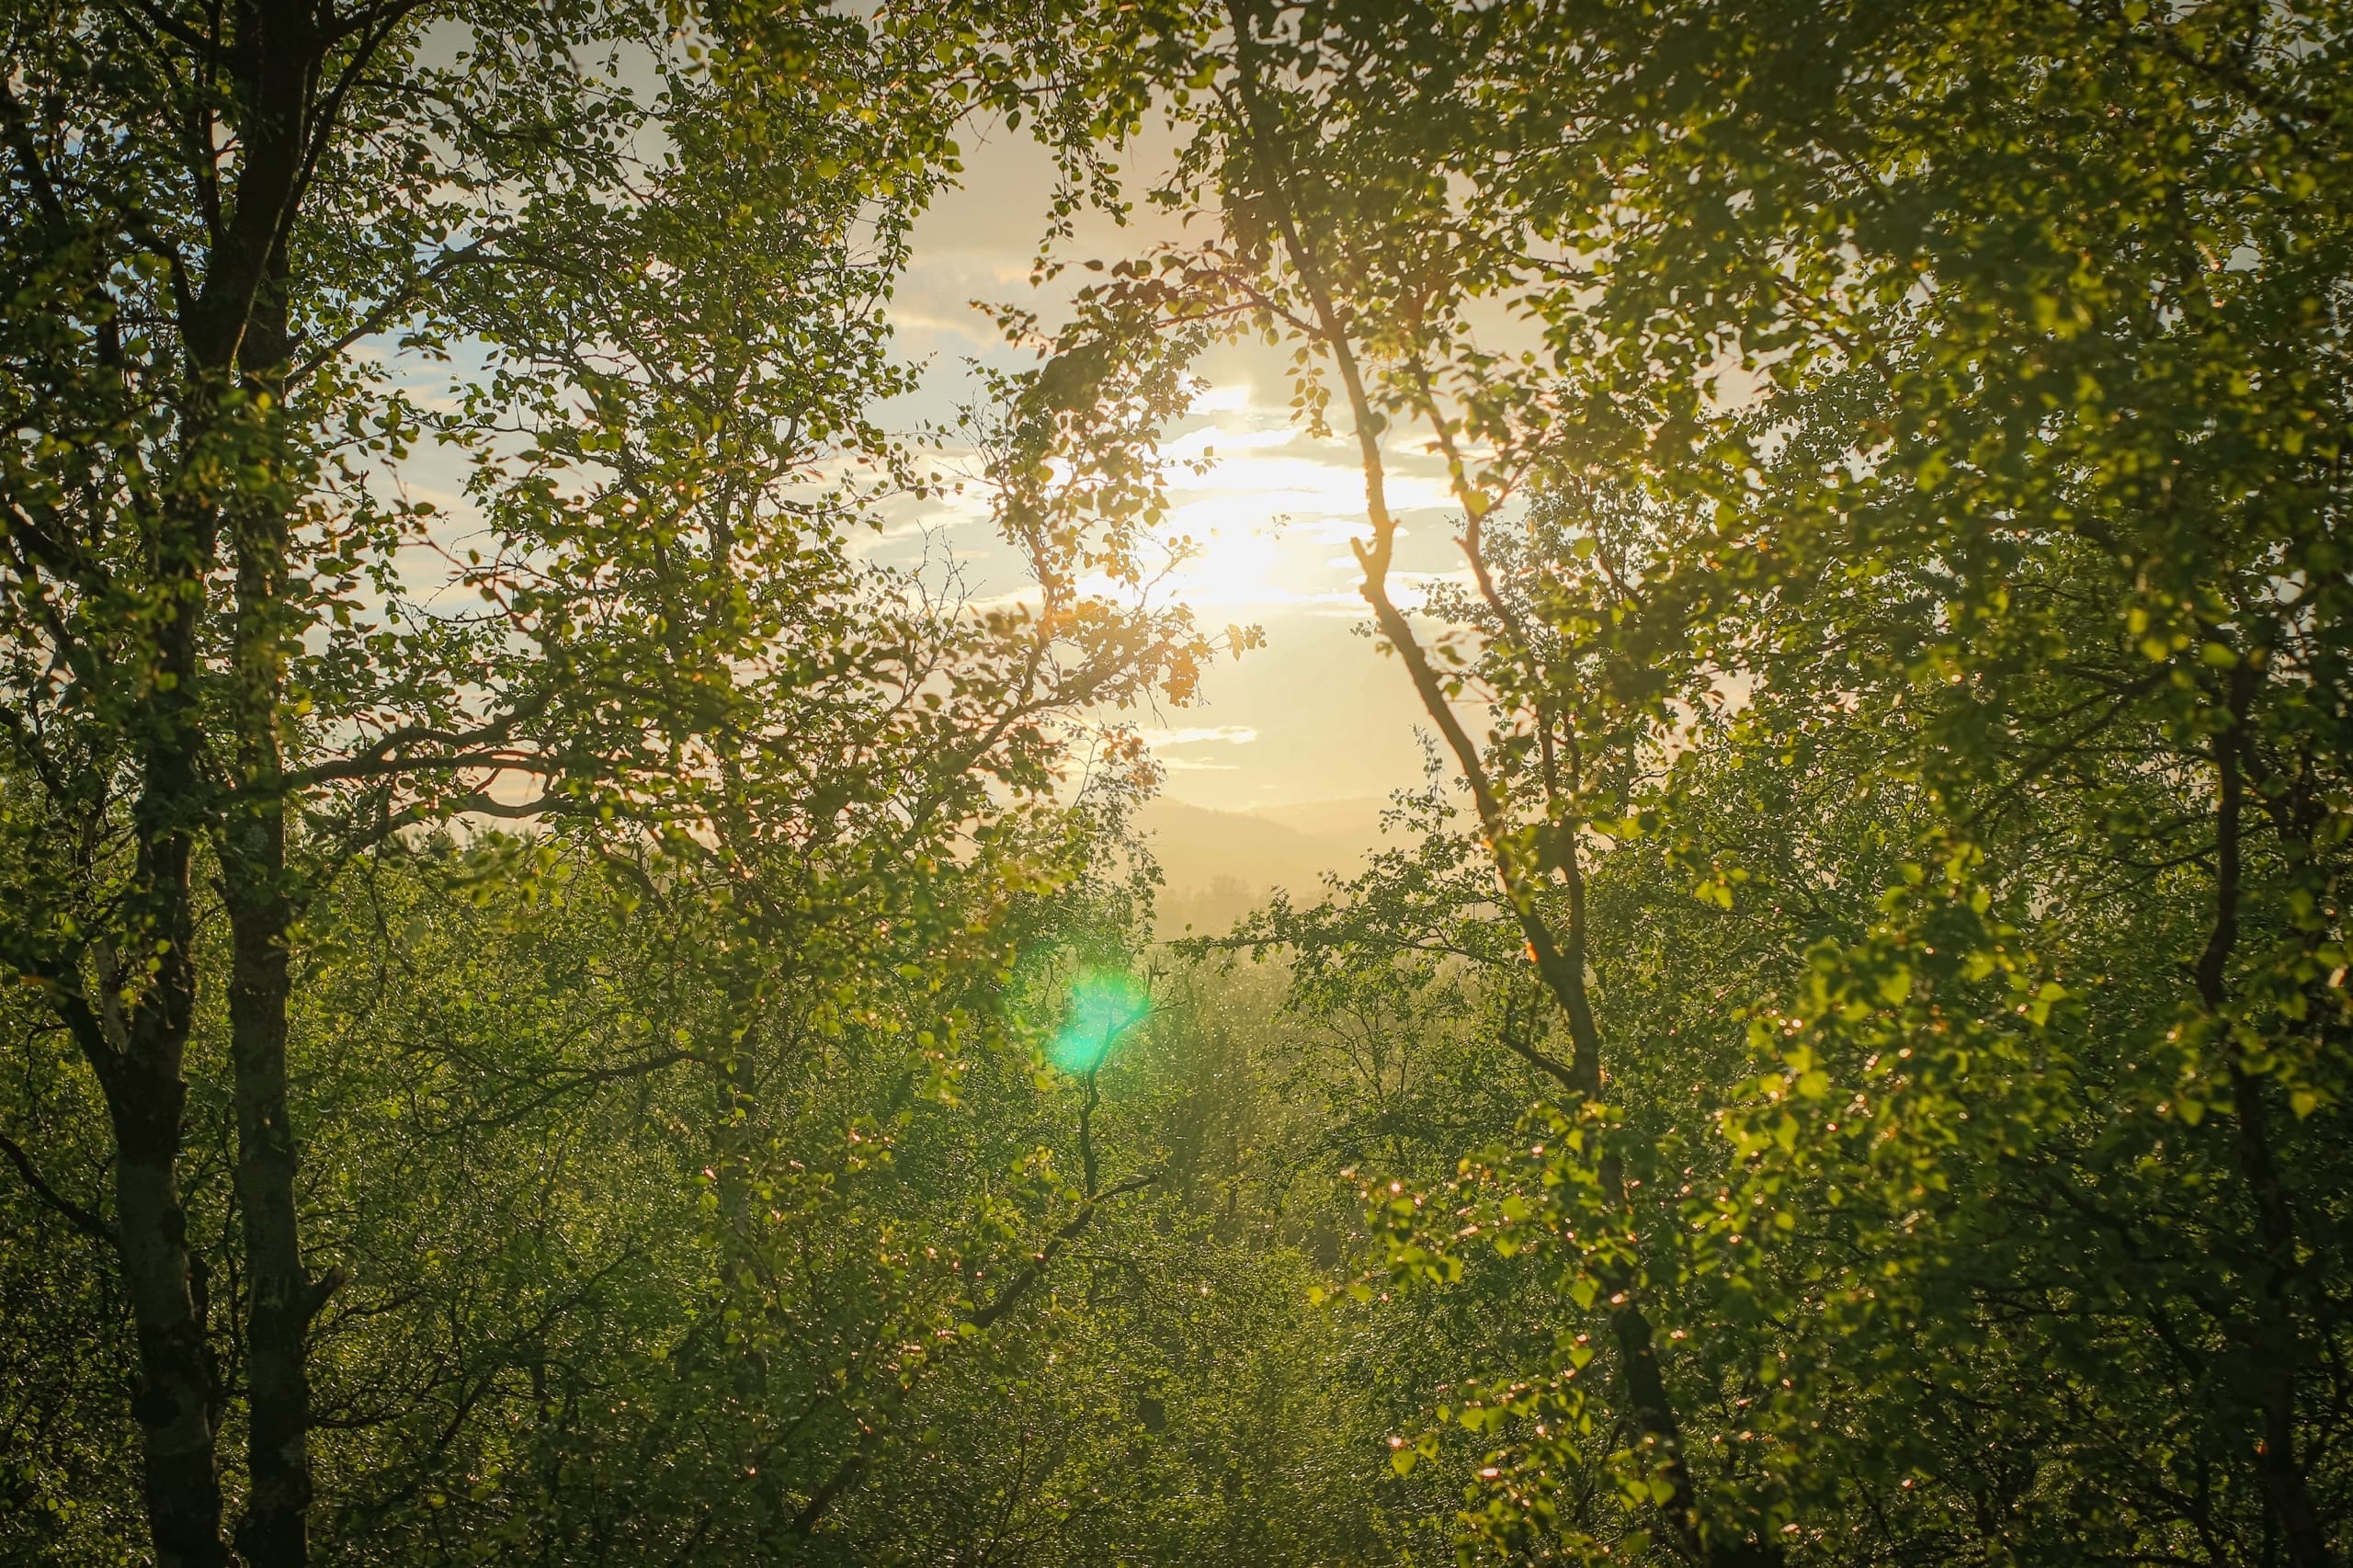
1216	866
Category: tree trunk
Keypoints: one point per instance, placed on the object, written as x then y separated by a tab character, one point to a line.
281	1296
173	1400
279	59
2274	1342
136	1039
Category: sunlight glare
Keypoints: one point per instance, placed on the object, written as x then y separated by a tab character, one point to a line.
1104	1004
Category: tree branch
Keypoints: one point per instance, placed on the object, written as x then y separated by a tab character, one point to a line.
84	1220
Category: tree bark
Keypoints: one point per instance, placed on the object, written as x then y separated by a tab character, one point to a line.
2274	1346
147	1005
242	332
173	1400
281	1297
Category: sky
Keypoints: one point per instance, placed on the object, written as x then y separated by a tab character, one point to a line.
1315	715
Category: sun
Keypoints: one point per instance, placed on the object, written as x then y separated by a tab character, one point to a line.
1232	565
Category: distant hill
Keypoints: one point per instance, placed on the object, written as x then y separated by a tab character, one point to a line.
1354	823
1220	865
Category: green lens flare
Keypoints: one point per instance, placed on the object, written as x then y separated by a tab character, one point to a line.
1104	1004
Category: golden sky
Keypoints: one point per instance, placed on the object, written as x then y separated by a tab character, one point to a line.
1316	715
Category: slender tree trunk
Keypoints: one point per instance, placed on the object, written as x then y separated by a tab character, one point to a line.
1560	964
173	1400
247	333
136	1038
2275	1342
282	1298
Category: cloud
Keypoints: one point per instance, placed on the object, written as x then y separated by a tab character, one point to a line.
1220	439
1231	398
1220	735
1198	736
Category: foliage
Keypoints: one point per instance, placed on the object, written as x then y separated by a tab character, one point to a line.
1844	1061
1934	427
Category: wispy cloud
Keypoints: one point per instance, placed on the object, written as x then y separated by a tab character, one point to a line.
1219	735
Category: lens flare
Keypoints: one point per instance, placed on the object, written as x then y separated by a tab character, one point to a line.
1104	1004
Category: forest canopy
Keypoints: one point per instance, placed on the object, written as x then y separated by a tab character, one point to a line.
580	1015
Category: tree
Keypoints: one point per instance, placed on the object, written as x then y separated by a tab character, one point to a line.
1957	381
1857	1075
1364	160
661	327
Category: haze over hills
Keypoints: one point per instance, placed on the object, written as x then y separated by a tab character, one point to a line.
1218	866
